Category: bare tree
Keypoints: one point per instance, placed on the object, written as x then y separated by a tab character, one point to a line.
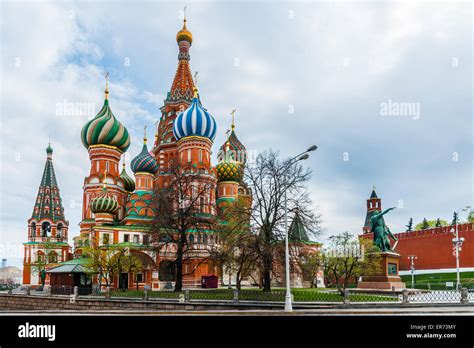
346	260
269	178
183	205
236	250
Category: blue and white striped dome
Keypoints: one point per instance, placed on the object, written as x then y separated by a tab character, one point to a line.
195	121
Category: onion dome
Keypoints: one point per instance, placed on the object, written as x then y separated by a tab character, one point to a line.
128	182
144	161
229	170
105	129
195	121
49	149
105	202
184	34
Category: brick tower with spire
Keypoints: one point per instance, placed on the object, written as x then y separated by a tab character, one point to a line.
47	242
374	203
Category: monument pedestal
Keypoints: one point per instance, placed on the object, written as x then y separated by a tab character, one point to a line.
388	277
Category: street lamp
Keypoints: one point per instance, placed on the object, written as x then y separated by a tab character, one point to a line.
412	258
457	242
300	157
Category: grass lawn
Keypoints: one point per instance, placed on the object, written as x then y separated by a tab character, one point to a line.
438	281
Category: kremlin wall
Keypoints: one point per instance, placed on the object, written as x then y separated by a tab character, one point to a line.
433	247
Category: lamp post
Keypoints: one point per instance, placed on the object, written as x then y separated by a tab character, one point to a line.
457	242
300	157
412	258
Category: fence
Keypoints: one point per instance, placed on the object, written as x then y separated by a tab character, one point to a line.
299	296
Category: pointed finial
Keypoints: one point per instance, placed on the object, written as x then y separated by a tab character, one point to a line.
144	135
373	187
107	86
184	11
195	92
123	163
233	119
49	149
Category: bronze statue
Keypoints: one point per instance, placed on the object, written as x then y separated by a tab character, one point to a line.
381	231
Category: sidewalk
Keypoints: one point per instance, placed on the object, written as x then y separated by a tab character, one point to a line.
425	310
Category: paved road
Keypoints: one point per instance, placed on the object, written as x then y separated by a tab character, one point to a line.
425	310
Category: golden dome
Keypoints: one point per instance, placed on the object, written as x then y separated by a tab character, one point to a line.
184	34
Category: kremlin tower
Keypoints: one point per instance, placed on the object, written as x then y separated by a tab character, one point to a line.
47	228
373	204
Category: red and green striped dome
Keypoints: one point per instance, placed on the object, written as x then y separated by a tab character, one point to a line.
105	203
128	182
105	129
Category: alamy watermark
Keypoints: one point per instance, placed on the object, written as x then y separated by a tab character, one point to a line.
405	109
67	108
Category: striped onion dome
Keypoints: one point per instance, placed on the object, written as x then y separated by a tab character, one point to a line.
104	129
195	121
128	182
104	203
144	162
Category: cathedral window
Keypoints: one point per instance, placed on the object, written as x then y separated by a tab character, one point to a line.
105	238
126	238
53	257
97	166
189	155
136	238
191	238
45	229
200	155
204	238
146	239
199	238
59	230
39	256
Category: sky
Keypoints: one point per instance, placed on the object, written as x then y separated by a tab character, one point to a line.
384	89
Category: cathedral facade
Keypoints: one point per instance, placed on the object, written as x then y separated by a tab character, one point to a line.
118	210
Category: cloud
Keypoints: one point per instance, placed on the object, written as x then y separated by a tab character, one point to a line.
298	73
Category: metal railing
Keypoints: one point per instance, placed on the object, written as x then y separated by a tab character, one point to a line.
254	295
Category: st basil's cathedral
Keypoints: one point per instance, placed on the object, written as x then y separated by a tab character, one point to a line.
117	210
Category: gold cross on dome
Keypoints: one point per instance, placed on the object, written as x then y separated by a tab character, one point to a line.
233	118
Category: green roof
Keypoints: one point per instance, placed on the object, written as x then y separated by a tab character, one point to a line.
297	231
48	203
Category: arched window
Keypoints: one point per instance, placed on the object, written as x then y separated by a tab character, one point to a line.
204	238
199	238
33	229
167	271
53	257
59	230
191	238
40	256
45	229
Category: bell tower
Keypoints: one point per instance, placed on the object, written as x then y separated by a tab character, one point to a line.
47	228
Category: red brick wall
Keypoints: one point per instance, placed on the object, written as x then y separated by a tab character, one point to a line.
434	248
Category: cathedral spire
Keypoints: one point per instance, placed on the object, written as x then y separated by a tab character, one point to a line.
183	84
48	200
